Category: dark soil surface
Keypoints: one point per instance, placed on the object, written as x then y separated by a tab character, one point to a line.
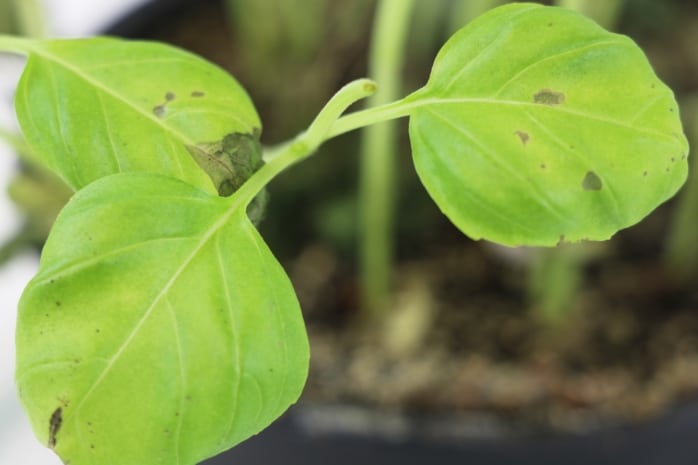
463	337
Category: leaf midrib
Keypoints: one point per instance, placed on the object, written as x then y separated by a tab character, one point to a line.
423	102
232	209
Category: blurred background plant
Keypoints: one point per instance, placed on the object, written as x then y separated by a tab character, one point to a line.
37	192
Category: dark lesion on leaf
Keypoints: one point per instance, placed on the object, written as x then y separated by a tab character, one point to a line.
197	94
160	109
524	137
592	182
232	161
54	425
549	97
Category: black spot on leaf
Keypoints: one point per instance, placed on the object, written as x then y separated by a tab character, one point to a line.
592	182
523	136
54	425
549	97
170	96
159	110
197	94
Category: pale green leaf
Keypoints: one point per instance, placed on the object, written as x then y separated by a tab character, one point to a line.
538	126
93	107
159	329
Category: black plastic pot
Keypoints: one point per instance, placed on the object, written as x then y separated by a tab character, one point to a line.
310	435
297	439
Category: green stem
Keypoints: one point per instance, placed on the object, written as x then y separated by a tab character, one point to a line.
554	278
19	145
681	247
15	44
378	155
604	12
13	246
30	18
280	158
373	115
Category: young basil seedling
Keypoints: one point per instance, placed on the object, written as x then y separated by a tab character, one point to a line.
161	329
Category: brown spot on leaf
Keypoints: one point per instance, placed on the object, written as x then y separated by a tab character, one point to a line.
523	136
592	182
159	110
170	96
549	97
54	425
197	94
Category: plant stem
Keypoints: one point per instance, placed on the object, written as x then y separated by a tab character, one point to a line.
681	247
280	158
378	156
15	44
30	18
604	12
370	116
19	145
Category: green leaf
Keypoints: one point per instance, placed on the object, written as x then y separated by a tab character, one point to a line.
538	126
159	329
93	107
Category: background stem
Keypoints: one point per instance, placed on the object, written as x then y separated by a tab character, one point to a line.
681	247
378	153
30	18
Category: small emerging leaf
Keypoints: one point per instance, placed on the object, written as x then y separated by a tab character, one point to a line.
94	107
538	126
159	329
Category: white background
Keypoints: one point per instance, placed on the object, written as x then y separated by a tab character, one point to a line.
65	18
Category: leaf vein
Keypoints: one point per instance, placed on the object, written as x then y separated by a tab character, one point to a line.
236	339
580	49
540	196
